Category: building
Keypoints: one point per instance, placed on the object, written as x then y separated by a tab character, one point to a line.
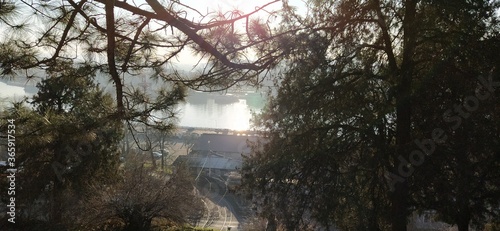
220	153
223	144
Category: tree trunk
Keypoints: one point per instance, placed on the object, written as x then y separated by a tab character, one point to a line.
463	225
56	204
110	32
58	185
403	114
399	207
162	146
138	223
271	224
462	196
403	140
153	160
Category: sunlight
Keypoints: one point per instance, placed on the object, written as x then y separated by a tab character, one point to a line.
234	116
228	5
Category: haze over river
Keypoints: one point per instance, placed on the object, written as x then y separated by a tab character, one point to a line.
208	110
214	110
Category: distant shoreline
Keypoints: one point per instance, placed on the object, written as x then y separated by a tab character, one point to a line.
28	86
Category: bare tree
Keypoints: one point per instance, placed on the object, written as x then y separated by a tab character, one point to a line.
140	198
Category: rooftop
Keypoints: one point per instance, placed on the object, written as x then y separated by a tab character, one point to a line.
209	162
222	143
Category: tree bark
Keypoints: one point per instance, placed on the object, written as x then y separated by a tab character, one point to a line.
271	223
56	209
463	225
136	222
403	113
110	30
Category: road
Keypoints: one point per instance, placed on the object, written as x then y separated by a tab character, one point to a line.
224	209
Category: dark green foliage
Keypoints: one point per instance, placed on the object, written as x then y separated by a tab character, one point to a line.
327	134
365	80
65	141
69	134
459	179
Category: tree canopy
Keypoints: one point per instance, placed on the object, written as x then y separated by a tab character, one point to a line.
366	85
384	108
121	38
65	141
70	132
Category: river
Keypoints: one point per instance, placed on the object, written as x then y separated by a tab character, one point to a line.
214	110
208	110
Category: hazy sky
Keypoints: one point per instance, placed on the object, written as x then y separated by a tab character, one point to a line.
245	6
225	5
